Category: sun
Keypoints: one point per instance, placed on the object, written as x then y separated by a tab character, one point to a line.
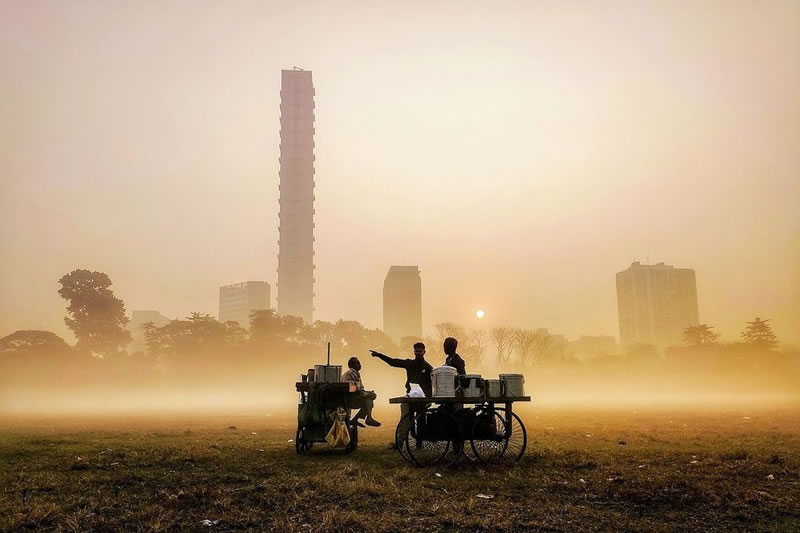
479	313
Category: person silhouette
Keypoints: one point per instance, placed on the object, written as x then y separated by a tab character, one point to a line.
452	358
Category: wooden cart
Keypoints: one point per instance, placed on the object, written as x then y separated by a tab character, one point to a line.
329	398
441	430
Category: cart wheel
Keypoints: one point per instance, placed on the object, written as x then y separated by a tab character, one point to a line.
300	444
488	440
400	437
516	439
430	435
353	444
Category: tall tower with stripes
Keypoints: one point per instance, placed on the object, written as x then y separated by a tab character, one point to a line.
296	215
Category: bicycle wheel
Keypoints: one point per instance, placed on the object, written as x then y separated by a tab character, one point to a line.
431	434
400	436
516	438
488	436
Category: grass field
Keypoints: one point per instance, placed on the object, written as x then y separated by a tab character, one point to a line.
678	471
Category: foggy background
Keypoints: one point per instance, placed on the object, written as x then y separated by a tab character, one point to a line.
520	154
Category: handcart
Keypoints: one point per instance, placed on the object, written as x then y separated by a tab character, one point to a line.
320	404
442	430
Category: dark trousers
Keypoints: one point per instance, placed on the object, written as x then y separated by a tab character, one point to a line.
363	400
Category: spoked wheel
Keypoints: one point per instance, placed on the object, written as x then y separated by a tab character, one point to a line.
400	436
431	434
516	438
300	444
488	440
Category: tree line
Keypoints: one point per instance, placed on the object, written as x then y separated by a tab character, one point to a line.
97	319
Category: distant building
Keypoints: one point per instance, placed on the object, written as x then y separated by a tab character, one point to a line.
655	304
402	302
237	300
593	345
296	215
139	319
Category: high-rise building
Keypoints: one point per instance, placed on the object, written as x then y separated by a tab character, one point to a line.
655	304
238	300
402	302
296	226
592	346
139	319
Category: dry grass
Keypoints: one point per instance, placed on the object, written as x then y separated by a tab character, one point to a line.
678	471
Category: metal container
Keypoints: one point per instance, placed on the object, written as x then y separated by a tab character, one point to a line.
443	379
328	373
471	385
494	388
513	384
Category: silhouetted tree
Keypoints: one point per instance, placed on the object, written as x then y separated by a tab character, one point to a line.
700	335
33	343
450	329
759	333
476	345
524	344
503	342
97	317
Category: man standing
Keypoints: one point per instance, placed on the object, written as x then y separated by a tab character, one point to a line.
360	397
452	358
418	371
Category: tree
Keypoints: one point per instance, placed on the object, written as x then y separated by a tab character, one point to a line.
476	344
450	329
524	342
700	335
96	316
759	333
503	343
33	343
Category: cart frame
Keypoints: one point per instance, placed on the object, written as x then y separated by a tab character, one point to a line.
308	435
427	435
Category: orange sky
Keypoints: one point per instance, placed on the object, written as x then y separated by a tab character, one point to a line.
520	155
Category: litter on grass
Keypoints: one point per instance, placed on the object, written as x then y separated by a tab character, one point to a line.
209	523
486	496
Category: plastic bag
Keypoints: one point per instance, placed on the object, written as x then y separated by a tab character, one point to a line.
338	436
415	391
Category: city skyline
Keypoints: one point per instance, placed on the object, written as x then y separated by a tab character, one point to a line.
520	169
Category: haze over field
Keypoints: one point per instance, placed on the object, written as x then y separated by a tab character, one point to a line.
520	155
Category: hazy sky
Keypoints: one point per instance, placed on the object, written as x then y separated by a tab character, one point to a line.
520	153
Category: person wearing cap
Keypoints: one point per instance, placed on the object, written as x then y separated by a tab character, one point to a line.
359	397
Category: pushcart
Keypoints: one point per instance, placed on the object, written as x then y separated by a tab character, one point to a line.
443	430
320	405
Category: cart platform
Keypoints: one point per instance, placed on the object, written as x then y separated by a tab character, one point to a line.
455	399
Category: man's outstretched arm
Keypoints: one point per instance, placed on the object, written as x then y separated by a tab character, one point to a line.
397	363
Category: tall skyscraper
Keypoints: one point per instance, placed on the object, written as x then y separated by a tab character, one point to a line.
296	226
402	302
237	300
655	304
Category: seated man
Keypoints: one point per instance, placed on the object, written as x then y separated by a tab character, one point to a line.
360	397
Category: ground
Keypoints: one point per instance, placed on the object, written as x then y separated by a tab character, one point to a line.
678	470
